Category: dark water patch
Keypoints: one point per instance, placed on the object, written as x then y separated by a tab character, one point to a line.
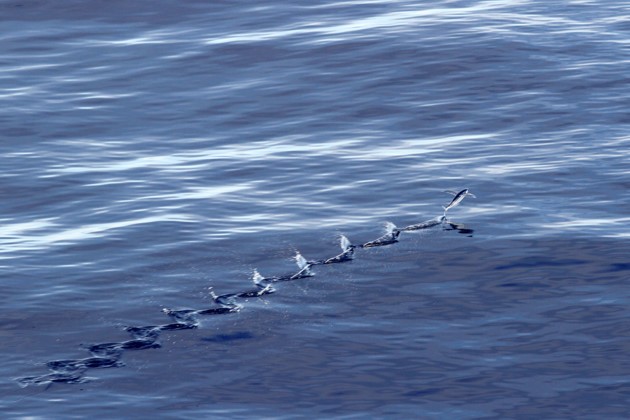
584	313
607	328
540	261
226	338
619	267
420	393
525	286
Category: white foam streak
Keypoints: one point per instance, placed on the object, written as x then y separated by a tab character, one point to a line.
581	223
42	234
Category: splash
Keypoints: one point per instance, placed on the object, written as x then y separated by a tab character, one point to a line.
108	355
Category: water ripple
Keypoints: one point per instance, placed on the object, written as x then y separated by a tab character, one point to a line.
153	150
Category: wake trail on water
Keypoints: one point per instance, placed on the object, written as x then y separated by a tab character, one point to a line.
109	355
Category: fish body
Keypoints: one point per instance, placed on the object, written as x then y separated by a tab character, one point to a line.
459	196
347	252
304	266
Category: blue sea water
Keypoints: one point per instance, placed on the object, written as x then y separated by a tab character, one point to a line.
153	150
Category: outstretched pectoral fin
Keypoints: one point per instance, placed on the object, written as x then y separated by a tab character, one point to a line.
257	277
301	261
212	294
451	192
303	265
471	195
344	243
390	228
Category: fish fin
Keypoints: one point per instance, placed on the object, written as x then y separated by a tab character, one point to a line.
301	261
471	195
344	243
305	266
390	227
262	283
451	192
212	294
257	277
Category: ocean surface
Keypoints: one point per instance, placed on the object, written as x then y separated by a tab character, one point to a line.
154	154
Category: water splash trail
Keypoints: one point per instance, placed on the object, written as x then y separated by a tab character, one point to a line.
108	355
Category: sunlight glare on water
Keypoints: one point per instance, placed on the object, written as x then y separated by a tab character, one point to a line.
154	152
